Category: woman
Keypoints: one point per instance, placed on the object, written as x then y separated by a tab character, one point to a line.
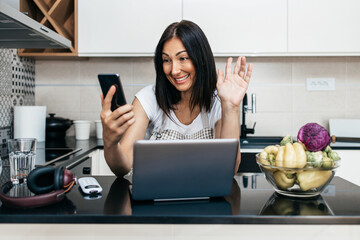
188	101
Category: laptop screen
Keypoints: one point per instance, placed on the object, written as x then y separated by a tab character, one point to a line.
183	169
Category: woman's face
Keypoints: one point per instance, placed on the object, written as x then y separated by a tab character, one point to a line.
177	65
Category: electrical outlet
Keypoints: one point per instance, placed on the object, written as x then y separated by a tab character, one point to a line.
320	84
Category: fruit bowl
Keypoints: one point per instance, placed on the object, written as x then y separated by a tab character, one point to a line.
285	206
308	181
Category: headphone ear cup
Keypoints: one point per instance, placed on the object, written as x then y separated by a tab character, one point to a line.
41	180
58	178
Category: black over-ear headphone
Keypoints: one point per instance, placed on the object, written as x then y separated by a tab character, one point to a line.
48	183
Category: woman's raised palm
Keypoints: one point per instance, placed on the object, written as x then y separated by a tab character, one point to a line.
232	86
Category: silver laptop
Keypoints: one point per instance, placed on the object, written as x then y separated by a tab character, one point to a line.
183	169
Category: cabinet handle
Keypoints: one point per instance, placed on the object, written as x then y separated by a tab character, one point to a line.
44	29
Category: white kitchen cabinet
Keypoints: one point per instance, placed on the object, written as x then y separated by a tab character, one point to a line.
99	166
241	27
349	165
233	27
123	28
324	27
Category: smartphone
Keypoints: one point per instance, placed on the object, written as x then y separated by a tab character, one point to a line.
106	81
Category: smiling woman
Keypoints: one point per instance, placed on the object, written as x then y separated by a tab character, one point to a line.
188	101
183	50
177	65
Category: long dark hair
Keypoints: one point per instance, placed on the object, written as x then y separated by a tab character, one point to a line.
199	51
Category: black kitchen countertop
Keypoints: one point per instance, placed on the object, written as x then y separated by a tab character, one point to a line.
252	201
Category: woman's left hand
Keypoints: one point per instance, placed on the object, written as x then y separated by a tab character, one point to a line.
232	87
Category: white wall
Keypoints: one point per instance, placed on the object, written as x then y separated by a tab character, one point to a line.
70	88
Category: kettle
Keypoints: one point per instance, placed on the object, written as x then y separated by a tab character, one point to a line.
56	126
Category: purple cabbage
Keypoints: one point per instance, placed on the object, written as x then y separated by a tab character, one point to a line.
314	137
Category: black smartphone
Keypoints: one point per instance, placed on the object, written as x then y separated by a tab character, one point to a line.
106	81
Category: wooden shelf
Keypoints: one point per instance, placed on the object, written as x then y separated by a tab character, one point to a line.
57	15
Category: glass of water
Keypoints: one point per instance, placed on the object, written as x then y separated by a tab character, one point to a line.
22	153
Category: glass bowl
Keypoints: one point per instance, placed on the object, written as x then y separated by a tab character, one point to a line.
285	206
297	182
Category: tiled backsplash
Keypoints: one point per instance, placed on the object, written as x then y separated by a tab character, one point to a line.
70	88
17	87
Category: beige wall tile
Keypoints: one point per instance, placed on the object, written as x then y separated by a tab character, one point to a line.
270	71
315	101
143	71
90	99
353	70
272	98
319	101
93	66
352	103
57	72
58	98
318	67
352	115
220	63
270	123
70	88
129	93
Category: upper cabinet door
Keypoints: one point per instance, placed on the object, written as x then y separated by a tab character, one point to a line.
324	27
248	27
123	28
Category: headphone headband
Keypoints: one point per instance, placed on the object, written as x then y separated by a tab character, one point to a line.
55	195
29	202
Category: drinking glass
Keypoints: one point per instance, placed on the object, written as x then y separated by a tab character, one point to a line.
22	153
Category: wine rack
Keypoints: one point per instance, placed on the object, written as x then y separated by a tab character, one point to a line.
57	15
